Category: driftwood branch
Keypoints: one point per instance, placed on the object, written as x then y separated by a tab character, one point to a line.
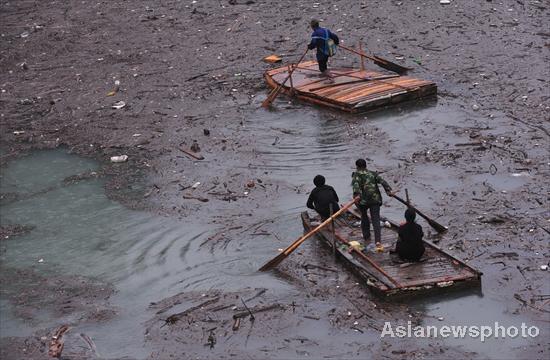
172	319
257	310
58	342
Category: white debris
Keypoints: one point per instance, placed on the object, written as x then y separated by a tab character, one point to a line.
119	105
196	185
119	159
520	174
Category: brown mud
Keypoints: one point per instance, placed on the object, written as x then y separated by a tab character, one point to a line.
187	67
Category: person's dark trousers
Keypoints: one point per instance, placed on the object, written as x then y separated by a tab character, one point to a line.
365	223
322	59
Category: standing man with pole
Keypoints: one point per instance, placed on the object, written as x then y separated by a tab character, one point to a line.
365	185
325	42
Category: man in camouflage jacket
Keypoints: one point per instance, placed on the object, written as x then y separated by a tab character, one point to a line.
365	185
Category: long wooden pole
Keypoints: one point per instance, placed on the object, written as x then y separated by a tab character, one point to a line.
283	255
273	94
370	261
362	58
386	64
434	224
333	232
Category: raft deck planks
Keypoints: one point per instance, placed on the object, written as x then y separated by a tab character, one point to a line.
353	90
440	269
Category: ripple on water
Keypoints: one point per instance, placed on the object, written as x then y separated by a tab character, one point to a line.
79	231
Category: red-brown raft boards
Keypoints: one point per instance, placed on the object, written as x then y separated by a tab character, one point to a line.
351	90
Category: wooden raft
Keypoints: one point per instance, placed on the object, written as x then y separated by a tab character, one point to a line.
352	90
384	273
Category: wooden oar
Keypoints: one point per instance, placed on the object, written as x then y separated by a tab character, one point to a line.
437	226
277	259
386	64
369	260
273	94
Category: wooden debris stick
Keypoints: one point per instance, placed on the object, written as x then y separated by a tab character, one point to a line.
307	266
190	197
286	252
236	324
273	94
290	78
362	58
194	156
175	317
90	344
259	293
247	309
57	342
257	310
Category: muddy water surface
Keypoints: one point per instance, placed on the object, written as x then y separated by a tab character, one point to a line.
79	231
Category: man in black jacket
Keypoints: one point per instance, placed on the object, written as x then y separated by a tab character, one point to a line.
322	197
410	246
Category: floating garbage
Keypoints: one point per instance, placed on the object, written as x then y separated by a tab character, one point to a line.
272	59
119	159
196	185
119	105
520	174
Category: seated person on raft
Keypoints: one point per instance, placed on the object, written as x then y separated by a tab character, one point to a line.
322	197
409	244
